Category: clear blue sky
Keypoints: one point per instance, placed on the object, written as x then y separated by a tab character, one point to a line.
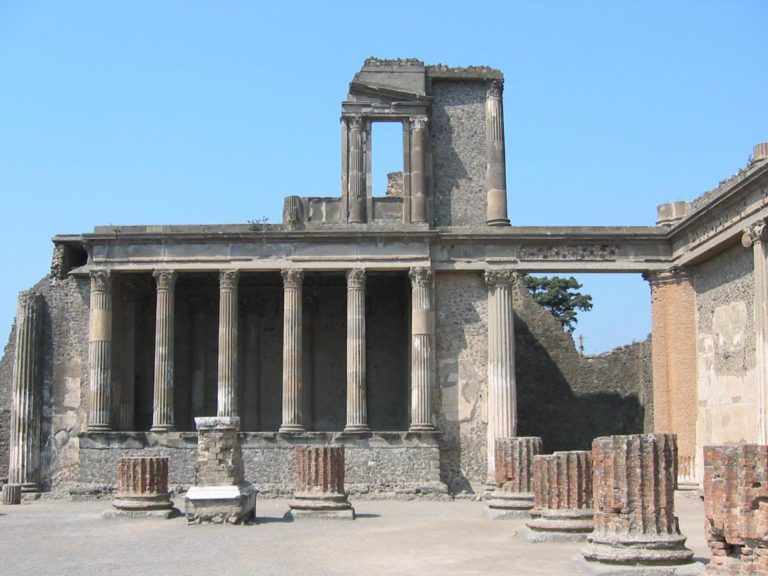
211	112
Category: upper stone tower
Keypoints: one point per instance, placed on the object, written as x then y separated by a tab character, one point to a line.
453	148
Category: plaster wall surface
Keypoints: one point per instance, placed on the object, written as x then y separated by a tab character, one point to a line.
727	410
459	156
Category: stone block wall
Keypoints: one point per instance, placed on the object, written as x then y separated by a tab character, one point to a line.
725	347
459	157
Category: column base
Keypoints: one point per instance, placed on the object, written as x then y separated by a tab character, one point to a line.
504	505
630	549
321	506
163	428
421	428
291	429
359	428
99	428
561	525
497	222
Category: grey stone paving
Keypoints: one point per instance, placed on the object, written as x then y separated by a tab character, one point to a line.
389	538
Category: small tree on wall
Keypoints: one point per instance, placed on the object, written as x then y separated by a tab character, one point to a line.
560	296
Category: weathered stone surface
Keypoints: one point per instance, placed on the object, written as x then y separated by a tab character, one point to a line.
220	494
736	509
514	477
320	483
562	489
634	484
11	494
142	484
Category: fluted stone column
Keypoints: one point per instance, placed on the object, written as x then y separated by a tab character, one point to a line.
127	402
422	341
228	316
11	494
293	392
634	487
496	170
418	180
756	237
514	477
357	186
562	497
163	415
502	390
320	484
357	410
24	464
100	351
142	486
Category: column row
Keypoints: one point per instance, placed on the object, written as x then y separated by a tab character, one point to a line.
294	396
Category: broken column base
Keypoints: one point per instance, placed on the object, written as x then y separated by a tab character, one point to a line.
602	569
220	504
560	526
508	505
136	514
324	507
636	555
11	494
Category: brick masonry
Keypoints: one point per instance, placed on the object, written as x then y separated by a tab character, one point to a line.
736	509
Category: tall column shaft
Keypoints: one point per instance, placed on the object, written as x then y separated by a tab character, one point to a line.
24	465
675	386
293	393
757	238
127	402
100	351
502	389
357	411
163	415
418	180
496	169
250	379
422	341
356	164
228	316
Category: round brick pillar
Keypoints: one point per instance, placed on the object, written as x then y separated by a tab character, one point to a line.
634	489
142	484
562	492
320	483
514	476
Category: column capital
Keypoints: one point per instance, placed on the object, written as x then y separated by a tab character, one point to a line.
292	277
755	233
356	279
419	122
494	277
355	122
165	279
670	276
495	88
101	280
420	277
228	279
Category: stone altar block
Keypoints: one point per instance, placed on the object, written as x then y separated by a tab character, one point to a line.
562	493
220	494
320	484
636	530
736	509
142	487
513	497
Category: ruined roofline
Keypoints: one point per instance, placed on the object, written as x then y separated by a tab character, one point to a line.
443	72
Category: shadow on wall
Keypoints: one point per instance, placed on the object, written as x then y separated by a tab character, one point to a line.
569	399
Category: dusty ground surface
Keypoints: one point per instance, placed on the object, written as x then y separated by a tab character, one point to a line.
389	538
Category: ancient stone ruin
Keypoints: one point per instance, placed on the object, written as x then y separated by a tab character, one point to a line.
221	493
320	484
562	497
513	495
142	487
395	326
634	485
736	509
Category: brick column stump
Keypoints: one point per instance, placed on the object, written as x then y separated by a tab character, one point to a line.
142	488
220	494
320	484
736	509
513	497
562	496
11	494
635	523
